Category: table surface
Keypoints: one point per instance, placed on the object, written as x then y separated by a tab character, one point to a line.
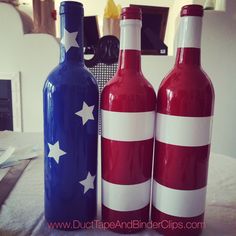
23	211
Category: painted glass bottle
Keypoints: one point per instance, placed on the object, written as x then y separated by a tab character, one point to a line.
185	103
128	114
70	128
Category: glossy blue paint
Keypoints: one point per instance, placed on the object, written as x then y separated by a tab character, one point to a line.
66	89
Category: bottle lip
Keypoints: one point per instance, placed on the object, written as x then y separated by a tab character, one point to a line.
134	13
192	10
70	7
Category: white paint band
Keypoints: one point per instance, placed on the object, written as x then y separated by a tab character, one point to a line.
128	126
180	203
130	34
190	32
183	130
126	197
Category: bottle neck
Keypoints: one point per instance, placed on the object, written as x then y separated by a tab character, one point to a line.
130	45
72	38
189	44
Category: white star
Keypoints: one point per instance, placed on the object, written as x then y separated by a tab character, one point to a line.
86	113
55	152
88	183
69	40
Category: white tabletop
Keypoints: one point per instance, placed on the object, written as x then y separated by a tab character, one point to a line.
23	211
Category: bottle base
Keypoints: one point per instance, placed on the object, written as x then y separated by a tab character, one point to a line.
126	231
177	226
125	222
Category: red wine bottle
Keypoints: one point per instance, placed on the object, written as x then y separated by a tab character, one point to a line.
128	114
185	104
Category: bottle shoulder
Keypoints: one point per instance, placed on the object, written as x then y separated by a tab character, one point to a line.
189	78
71	74
186	92
128	83
128	94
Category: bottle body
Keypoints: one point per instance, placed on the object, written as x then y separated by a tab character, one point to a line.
185	104
128	114
70	135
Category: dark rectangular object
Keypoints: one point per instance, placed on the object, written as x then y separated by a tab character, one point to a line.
154	21
6	114
91	34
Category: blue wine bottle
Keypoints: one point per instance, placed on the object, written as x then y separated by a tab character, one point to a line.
70	99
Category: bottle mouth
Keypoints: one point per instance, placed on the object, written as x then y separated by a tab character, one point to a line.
70	7
192	10
134	13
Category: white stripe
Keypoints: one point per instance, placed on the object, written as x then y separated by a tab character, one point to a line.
183	130
128	126
190	32
125	197
130	34
181	203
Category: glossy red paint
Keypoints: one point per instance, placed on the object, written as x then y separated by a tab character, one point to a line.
131	13
127	163
186	92
128	90
192	10
178	167
111	216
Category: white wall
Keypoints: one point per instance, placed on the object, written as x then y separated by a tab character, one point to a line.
172	25
219	61
173	19
33	55
92	7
